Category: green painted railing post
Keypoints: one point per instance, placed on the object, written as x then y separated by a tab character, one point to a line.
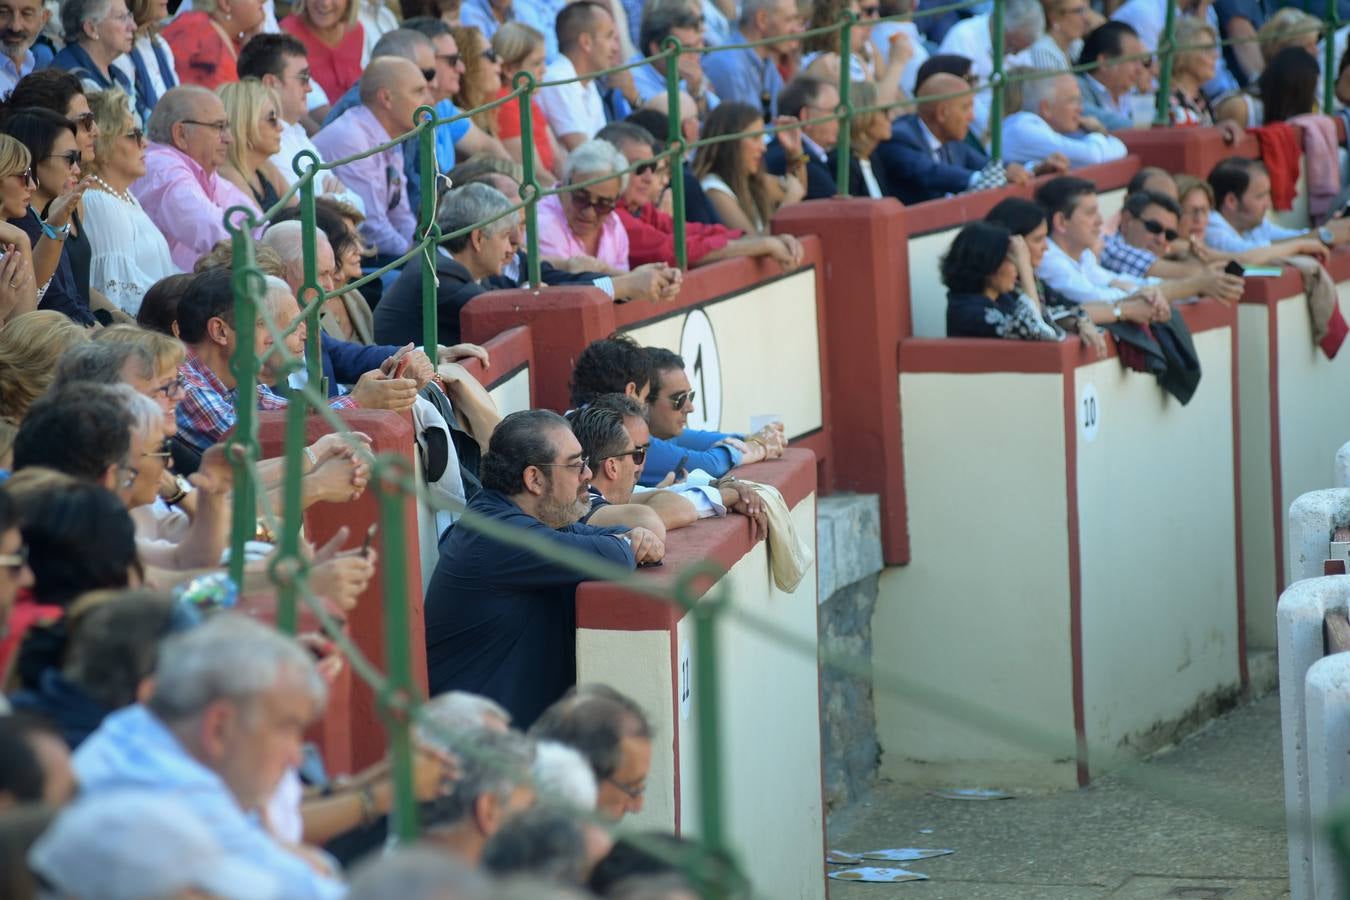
310	290
996	85
400	704
1329	66
845	106
671	45
705	614
1165	57
529	186
426	160
289	568
242	447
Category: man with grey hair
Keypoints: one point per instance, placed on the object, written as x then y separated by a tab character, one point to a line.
1051	122
493	786
417	873
749	75
391	89
104	362
24	21
973	38
231	701
181	190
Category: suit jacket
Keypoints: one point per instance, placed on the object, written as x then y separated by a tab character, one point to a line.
856	186
912	174
819	176
344	362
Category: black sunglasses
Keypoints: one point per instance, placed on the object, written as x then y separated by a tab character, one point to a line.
85	121
639	455
429	75
70	156
1154	227
870	12
677	401
136	134
648	168
602	205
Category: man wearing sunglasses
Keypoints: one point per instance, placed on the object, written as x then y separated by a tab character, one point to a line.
1148	226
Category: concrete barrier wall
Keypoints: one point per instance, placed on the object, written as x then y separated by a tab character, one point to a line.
1302	609
390	433
1295	410
932	226
1022	531
508	378
1313	518
768	692
1328	722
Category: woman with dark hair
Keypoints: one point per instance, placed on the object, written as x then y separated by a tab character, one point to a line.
1289	85
982	270
1026	220
51	142
61	92
742	193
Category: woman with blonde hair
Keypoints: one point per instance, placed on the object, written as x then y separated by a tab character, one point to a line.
30	347
866	131
731	172
335	39
1191	69
128	253
482	78
521	49
18	291
254	113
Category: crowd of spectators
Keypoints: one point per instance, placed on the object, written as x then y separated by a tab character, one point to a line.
156	738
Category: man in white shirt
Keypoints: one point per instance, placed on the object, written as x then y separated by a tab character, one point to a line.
1023	24
1070	268
1238	225
1051	121
23	20
281	62
587	42
881	39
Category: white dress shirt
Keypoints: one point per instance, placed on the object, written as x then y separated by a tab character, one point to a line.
571	108
1083	280
294	139
881	37
1222	236
1027	138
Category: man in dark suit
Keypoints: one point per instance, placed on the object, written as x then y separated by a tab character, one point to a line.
928	156
806	98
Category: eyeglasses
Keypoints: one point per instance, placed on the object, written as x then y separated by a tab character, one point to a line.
870	12
490	55
122	17
303	76
1155	227
582	199
85	121
677	401
634	791
16	560
164	452
429	75
71	157
173	388
580	465
648	168
639	455
221	126
136	135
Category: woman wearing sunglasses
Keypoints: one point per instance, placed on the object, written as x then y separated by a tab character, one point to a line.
254	112
51	216
581	221
18	292
129	254
481	79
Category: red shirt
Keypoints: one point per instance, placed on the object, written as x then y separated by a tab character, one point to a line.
336	69
508	126
651	236
199	52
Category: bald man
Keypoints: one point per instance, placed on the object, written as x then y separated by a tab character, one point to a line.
392	88
928	155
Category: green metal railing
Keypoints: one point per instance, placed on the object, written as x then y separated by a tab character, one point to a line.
393	483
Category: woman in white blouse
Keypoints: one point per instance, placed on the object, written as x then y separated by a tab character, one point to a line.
128	252
732	174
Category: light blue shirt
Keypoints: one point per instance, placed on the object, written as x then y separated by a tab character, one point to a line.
1222	236
10	74
651	83
133	749
478	14
741	75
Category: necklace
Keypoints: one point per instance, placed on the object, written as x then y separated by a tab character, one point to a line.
124	196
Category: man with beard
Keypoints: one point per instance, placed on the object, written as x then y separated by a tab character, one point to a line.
23	21
500	619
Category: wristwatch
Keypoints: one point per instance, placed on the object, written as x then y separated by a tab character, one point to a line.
1115	308
183	487
1326	235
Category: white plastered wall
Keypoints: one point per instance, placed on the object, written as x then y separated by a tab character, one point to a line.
513	394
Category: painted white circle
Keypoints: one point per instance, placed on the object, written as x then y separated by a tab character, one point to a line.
1089	413
698	347
686	676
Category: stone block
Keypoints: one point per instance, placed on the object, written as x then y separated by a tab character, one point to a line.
1313	517
848	541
